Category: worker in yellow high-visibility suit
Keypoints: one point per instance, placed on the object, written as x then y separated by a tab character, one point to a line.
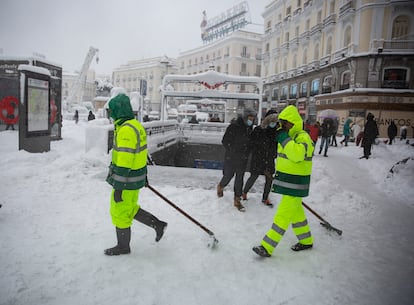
292	180
127	174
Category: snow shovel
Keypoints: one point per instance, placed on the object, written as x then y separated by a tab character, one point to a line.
324	223
214	240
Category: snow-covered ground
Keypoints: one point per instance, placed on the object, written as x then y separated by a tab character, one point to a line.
55	224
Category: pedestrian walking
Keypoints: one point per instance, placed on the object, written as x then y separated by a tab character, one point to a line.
76	116
356	129
263	147
334	131
346	132
127	175
237	149
326	133
370	134
403	132
292	180
392	132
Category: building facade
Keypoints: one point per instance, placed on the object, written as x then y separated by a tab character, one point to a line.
353	56
88	88
131	75
238	53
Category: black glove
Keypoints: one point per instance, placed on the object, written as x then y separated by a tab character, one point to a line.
118	196
146	181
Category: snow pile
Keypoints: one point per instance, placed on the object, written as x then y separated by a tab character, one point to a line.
55	224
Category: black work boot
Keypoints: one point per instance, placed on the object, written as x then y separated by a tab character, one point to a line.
124	237
150	220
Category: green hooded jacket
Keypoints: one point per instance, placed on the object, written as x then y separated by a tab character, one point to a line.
128	168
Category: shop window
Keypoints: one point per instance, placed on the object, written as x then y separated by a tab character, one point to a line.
303	89
395	78
315	87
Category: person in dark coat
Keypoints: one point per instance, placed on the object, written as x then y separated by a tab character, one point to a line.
76	116
327	129
264	148
334	131
237	149
370	133
392	132
91	116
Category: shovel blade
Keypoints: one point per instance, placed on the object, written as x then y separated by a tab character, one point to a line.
331	228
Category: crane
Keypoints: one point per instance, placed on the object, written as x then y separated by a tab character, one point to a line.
76	92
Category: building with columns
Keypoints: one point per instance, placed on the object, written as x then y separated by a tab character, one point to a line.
237	53
151	70
353	56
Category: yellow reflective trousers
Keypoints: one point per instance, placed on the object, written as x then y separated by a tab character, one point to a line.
123	212
290	211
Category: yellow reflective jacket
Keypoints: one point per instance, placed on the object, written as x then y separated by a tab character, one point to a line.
128	168
294	158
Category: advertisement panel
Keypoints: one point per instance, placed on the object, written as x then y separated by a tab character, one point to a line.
37	105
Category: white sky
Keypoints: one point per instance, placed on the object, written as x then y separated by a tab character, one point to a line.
121	29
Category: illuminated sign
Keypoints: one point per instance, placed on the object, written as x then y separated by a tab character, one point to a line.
227	22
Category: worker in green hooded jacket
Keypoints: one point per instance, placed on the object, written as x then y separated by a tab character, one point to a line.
127	175
292	180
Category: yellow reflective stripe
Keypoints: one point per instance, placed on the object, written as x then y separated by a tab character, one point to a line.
289	185
139	147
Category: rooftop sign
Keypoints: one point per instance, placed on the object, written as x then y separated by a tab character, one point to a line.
227	22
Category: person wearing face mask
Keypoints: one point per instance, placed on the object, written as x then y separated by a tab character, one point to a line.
237	150
264	148
292	180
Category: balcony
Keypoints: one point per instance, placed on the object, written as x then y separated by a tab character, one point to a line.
259	56
276	51
278	25
305	35
285	46
297	11
347	8
245	55
330	20
316	29
324	61
343	53
314	65
307	3
392	46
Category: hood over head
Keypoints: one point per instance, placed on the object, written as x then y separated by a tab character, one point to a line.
291	114
268	119
120	107
248	112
